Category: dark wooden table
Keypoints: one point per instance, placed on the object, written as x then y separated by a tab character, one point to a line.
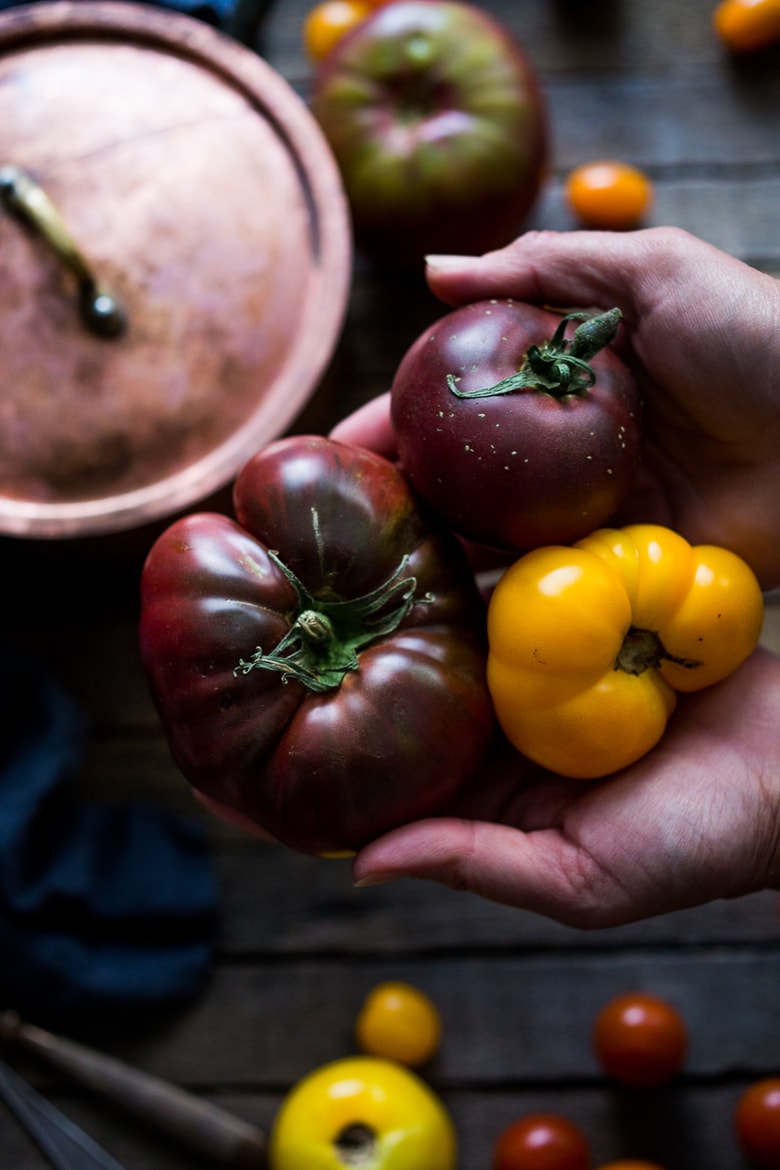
299	948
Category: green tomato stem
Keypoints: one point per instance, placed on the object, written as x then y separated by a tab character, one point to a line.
560	367
324	638
356	1145
643	650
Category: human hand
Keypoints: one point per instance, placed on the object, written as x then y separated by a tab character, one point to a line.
696	819
702	332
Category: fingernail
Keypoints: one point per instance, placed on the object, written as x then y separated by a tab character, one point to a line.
446	263
373	879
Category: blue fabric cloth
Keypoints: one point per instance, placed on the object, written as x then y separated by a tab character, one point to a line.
101	906
216	12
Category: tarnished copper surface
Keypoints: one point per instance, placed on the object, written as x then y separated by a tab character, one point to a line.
198	186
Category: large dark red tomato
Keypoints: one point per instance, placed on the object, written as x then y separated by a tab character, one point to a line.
515	433
318	665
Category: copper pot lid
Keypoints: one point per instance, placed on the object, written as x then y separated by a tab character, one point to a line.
199	291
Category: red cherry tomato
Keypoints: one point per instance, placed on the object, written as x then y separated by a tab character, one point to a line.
757	1122
542	1141
640	1040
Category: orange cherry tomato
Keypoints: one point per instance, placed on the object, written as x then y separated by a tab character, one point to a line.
745	26
757	1123
399	1022
640	1040
542	1141
609	195
327	23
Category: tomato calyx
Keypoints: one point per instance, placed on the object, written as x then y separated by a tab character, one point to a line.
643	650
325	636
355	1144
561	367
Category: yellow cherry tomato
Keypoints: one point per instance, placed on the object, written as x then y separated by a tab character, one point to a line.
745	26
590	644
399	1022
609	195
327	23
362	1111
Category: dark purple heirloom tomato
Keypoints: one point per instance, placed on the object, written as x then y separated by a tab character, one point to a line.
517	435
318	664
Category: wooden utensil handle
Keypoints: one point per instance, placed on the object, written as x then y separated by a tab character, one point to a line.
198	1124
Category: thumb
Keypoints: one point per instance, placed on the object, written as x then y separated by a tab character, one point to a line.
369	426
561	269
539	871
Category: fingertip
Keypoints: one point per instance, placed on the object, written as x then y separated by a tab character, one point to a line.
369	426
423	849
504	272
543	266
372	879
447	263
455	279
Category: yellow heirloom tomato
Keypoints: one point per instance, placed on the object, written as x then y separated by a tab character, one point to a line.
589	644
362	1111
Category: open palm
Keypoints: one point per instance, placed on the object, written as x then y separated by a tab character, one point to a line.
698	818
